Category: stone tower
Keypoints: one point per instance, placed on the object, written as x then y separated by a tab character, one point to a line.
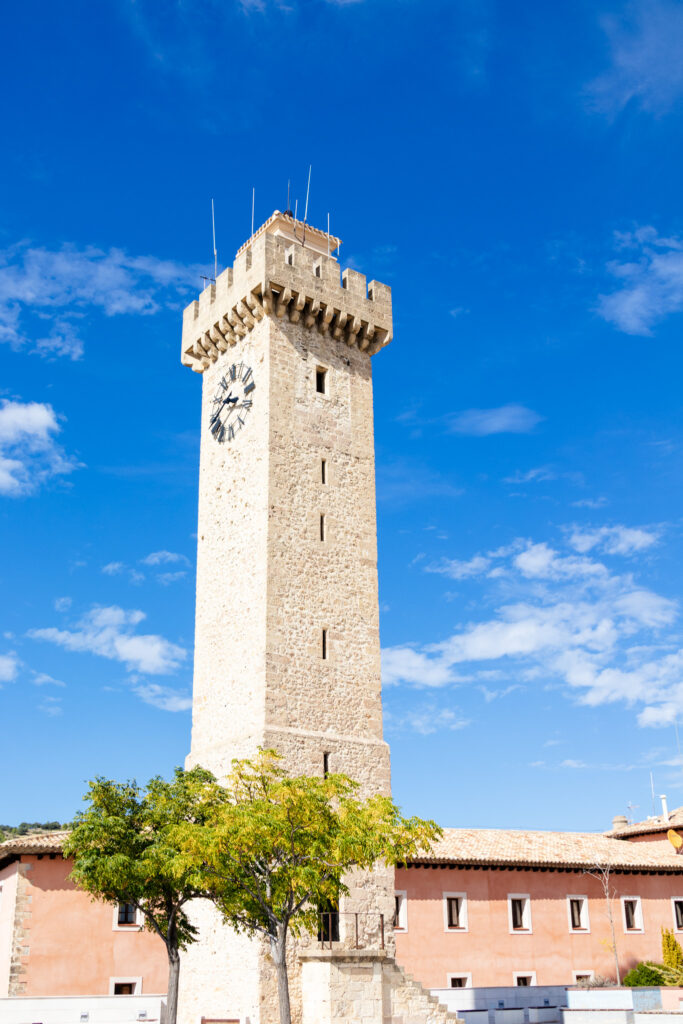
287	620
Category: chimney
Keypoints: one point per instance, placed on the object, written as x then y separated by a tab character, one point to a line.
619	821
665	809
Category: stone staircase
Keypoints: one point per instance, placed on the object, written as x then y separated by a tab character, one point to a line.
407	1002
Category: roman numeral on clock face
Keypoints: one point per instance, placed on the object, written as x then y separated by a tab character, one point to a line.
228	410
249	388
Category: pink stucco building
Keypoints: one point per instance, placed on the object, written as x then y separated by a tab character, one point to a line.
485	907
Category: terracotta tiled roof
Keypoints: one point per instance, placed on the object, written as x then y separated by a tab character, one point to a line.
641	828
483	846
44	842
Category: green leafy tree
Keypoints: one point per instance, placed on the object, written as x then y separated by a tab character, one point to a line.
672	954
644	974
124	852
276	849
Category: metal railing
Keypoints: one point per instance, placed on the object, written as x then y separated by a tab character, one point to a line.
329	931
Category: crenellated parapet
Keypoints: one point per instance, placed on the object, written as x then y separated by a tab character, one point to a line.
276	275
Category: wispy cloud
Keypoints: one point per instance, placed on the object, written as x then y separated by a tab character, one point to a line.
110	632
404	482
43	679
163	697
9	667
164	558
646	49
46	293
650	273
426	720
29	452
51	706
506	419
563	618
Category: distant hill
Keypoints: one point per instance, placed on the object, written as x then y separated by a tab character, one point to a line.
27	828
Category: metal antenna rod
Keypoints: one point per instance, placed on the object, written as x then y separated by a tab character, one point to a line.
215	250
253	199
308	188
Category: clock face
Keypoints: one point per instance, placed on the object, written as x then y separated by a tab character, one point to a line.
232	402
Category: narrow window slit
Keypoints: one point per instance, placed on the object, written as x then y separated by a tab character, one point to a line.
323	471
326	763
322	526
324	645
321	380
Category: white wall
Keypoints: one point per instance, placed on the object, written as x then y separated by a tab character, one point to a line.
70	1009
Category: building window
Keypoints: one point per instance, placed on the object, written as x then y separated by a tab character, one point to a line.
577	910
323	471
127	913
524	979
317	268
678	914
326	763
582	977
324	646
633	914
460	981
401	911
321	380
519	912
125	986
289	255
455	911
323	531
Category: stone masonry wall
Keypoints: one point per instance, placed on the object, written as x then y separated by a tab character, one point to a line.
21	935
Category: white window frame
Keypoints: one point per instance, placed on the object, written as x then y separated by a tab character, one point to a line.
524	974
526	915
585	927
402	921
135	982
135	927
582	974
674	901
467	975
464	922
639	915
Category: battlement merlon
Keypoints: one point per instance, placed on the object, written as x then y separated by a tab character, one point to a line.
274	274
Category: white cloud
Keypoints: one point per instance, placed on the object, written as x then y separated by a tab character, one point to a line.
163	697
113	568
65	284
425	720
51	706
564	619
651	282
459	570
166	578
613	540
29	453
537	475
589	503
506	419
569	762
110	633
43	679
646	59
9	667
163	558
62	604
405	665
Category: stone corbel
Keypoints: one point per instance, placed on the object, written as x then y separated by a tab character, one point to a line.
325	319
247	318
283	302
296	307
366	337
255	306
200	354
226	330
339	323
353	326
312	312
218	339
237	325
267	298
381	339
209	346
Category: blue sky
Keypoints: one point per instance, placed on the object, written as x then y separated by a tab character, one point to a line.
513	172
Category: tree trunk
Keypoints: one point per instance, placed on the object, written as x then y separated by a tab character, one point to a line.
173	978
279	955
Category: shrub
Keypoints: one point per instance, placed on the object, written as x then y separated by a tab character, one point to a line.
644	974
